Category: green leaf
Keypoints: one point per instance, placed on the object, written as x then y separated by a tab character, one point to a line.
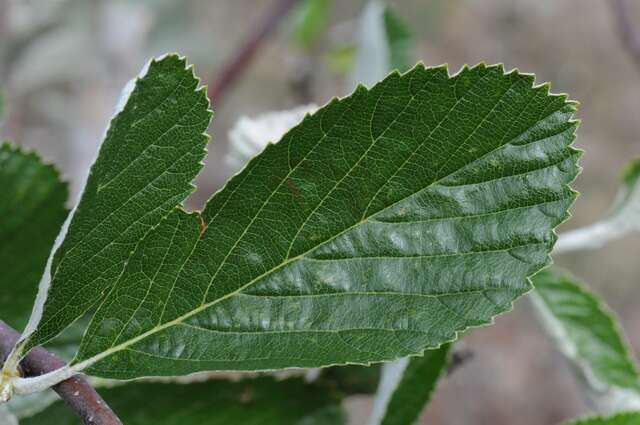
382	225
31	213
406	387
399	38
261	401
588	334
152	151
625	418
309	20
622	219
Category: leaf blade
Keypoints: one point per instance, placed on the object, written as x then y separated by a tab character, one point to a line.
407	385
589	335
31	212
272	261
140	175
249	401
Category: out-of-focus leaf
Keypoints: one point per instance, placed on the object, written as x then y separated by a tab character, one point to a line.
623	218
341	60
383	44
625	418
260	401
373	58
309	21
587	333
353	379
32	210
406	387
399	38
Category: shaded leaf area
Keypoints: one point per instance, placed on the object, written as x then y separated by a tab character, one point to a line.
382	225
353	379
152	151
589	335
261	401
407	387
32	210
626	418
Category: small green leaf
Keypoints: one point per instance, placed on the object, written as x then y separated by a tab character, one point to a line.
622	219
309	20
625	418
399	38
406	387
261	401
152	151
587	333
31	212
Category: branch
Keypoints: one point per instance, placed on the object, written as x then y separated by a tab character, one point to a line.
626	31
238	63
75	391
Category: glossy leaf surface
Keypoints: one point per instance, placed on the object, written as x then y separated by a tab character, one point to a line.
382	225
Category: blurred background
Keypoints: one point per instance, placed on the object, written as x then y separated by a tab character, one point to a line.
64	62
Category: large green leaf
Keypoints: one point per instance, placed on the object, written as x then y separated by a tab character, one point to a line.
261	401
152	151
587	333
626	418
31	212
380	226
406	387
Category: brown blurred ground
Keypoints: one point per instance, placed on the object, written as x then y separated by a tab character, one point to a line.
63	81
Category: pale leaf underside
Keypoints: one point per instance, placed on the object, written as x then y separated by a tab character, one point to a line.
406	387
588	334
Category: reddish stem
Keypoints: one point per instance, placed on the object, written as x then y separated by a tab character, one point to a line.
81	397
239	62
